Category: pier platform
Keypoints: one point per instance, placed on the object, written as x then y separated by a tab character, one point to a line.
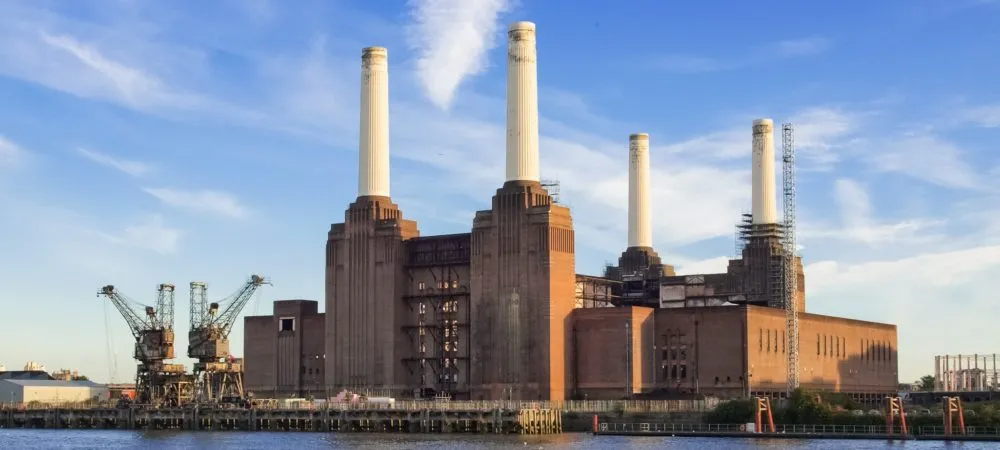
505	421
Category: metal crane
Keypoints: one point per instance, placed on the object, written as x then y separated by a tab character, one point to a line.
156	383
219	376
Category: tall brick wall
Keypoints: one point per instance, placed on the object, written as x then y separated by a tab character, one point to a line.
365	280
523	286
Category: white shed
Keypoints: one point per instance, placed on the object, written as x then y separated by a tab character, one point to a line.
50	391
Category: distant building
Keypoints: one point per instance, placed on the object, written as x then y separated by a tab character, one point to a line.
25	375
34	366
966	373
51	391
283	353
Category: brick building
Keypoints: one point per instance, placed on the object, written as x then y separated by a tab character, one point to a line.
725	351
284	352
499	312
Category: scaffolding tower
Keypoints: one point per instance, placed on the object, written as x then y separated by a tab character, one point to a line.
790	277
552	187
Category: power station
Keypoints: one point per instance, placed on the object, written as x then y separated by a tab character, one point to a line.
499	312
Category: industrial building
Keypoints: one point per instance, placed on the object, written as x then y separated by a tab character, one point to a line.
966	373
284	352
500	313
51	391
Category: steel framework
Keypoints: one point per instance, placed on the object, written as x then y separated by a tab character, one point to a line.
156	383
219	376
440	307
790	278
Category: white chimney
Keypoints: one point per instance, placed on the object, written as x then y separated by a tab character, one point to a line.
764	200
522	103
373	161
640	232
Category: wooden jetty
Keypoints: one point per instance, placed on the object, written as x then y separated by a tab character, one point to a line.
449	420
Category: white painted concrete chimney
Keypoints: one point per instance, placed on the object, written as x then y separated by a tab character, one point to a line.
640	231
373	161
522	103
764	199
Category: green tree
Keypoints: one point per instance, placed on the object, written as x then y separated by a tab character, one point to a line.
927	383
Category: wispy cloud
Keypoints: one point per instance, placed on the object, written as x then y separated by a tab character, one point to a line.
763	54
452	38
820	132
800	47
986	115
150	233
207	201
858	223
11	155
133	168
929	158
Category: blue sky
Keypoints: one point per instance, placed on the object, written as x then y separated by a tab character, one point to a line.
147	142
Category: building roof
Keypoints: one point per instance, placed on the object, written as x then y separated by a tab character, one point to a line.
25	375
51	383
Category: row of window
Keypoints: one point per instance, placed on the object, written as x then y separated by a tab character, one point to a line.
448	306
826	345
876	350
440	285
772	341
834	346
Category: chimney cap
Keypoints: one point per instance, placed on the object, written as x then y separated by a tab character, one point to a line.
522	25
638	137
374	50
763	121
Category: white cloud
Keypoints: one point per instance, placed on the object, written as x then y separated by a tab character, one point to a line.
929	158
918	294
215	202
133	168
986	115
762	54
452	38
11	155
858	224
150	233
820	133
801	47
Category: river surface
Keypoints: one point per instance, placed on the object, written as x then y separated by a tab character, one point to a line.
110	440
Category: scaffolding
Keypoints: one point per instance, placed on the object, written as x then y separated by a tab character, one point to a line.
438	302
596	292
552	187
790	274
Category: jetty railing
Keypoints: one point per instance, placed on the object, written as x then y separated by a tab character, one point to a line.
567	406
633	427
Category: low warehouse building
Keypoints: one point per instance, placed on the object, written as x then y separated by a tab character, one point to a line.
725	351
51	391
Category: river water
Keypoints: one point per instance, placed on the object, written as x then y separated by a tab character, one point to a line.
111	440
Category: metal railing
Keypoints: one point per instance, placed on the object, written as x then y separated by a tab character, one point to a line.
969	431
568	406
874	430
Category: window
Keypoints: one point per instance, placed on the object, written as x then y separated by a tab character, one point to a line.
769	341
783	341
421	286
817	345
760	339
286	324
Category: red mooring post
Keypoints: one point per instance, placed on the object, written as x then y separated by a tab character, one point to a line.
595	423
